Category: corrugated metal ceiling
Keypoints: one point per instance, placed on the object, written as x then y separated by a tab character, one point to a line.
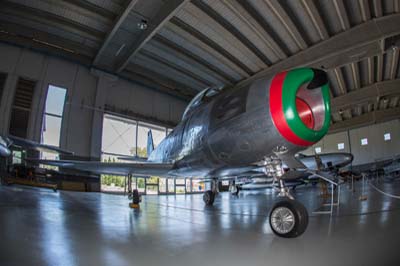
190	45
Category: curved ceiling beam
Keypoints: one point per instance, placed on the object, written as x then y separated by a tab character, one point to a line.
117	24
169	9
366	119
349	46
371	93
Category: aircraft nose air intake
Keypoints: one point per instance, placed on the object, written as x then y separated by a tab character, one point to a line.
300	105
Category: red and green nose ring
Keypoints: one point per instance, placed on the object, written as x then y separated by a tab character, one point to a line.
300	105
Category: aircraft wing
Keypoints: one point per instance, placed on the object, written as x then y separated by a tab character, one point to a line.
291	161
337	160
136	169
132	158
32	145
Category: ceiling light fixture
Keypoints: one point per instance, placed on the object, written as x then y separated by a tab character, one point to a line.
142	25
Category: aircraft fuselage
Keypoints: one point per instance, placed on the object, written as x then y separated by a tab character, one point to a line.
232	130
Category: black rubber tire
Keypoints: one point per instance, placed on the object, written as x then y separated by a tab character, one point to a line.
208	197
300	215
135	197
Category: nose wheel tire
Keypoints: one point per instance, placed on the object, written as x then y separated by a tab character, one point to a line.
288	218
209	197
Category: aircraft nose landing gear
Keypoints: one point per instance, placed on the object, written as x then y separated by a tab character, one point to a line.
288	218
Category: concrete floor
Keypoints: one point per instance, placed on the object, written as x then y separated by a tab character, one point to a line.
41	227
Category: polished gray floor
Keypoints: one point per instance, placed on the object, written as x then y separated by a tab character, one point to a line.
41	227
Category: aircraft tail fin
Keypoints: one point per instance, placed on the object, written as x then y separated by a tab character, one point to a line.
150	143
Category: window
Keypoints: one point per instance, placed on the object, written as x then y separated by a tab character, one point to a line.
143	130
123	137
317	149
198	186
225	182
16	157
201	97
119	137
387	137
364	141
340	146
53	114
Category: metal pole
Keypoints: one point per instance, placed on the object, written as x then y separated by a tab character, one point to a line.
137	130
331	199
125	186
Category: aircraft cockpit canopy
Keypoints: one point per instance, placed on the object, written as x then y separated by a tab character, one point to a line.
202	97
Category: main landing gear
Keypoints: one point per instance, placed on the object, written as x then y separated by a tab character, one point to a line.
136	199
209	195
133	195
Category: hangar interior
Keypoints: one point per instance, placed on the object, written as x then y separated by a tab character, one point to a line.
95	76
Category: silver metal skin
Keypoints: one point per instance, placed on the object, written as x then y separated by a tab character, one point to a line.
4	150
223	134
282	220
337	159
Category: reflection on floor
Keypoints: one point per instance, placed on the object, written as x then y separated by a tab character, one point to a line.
41	227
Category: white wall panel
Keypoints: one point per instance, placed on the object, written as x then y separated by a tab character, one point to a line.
78	129
377	148
9	58
30	65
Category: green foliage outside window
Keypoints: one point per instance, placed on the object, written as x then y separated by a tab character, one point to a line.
119	181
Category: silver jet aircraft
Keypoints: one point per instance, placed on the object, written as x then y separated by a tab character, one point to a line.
238	132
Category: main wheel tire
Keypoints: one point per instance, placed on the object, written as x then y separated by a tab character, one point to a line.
288	218
208	197
135	197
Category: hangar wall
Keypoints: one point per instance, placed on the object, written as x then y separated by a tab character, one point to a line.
377	148
88	92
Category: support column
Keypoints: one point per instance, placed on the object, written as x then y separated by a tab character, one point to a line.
6	103
104	83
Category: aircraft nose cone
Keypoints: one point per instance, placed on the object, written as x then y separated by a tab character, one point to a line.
300	105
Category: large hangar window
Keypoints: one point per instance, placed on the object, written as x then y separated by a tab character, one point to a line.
119	136
124	137
158	133
52	119
118	140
